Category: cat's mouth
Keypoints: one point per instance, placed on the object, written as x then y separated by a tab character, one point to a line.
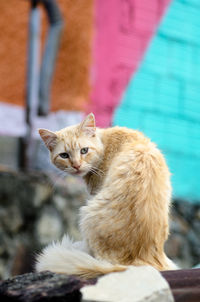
79	172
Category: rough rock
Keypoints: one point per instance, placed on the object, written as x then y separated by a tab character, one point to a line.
42	193
136	284
49	226
42	287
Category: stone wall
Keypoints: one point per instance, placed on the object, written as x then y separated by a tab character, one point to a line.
183	245
36	209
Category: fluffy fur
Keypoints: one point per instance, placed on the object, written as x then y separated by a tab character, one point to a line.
125	222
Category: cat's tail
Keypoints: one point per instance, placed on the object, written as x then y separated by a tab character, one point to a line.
64	257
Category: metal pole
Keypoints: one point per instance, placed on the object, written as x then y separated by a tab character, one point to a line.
32	83
50	52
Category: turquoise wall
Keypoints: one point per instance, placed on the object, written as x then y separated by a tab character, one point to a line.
163	97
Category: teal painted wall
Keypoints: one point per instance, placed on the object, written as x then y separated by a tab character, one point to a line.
163	97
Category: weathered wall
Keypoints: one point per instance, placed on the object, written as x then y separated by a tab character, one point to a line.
124	29
162	98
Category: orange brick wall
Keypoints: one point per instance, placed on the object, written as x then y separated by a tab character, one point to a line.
70	89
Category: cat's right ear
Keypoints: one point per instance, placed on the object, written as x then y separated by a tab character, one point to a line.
49	138
88	125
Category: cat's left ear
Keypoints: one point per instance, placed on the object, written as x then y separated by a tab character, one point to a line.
88	125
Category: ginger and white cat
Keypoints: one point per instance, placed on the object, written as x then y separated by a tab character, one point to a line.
125	222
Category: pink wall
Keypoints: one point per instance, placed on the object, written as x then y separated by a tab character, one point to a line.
123	31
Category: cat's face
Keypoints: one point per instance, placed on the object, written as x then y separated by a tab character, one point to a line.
76	149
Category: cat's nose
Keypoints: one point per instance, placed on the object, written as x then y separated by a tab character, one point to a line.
76	166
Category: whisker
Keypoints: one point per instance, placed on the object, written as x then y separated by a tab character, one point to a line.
94	172
98	170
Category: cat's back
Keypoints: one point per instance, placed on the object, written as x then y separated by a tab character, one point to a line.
118	138
122	145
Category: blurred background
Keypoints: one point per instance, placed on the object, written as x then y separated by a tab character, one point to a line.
133	63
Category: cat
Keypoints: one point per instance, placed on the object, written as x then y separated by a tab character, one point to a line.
125	221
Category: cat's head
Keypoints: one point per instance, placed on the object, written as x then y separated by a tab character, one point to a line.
75	149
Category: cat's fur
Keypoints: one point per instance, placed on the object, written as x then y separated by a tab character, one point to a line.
125	222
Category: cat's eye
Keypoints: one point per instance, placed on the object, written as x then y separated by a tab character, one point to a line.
84	150
64	155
